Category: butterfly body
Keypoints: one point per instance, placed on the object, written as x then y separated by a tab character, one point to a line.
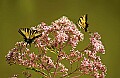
29	41
82	22
29	35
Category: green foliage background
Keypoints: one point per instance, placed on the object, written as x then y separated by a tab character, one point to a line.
103	16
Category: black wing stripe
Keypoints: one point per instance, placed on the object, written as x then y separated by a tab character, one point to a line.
21	33
29	34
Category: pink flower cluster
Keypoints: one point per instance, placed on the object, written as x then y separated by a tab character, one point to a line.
97	44
55	38
92	64
63	30
21	55
93	67
74	56
66	31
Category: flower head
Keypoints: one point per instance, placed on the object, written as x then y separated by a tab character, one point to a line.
65	31
96	43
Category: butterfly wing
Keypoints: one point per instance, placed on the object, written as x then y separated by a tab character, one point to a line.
86	23
28	34
24	32
82	22
35	34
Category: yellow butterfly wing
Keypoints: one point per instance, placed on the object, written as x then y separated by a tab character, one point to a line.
25	32
82	22
29	34
34	34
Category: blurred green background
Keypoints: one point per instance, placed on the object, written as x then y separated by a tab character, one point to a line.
103	16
